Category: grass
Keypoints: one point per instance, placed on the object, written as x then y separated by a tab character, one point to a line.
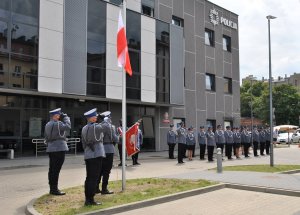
261	168
136	190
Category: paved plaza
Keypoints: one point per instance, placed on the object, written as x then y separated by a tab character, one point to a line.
23	179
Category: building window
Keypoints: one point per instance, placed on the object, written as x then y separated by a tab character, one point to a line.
209	37
116	2
162	62
228	85
148	7
96	48
177	21
19	43
226	43
211	123
133	30
210	82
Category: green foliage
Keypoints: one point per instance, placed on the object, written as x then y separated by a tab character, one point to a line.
286	102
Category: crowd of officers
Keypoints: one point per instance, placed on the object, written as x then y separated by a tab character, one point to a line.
98	140
234	141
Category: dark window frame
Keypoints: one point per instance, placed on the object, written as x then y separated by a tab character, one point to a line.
211	37
227	40
177	21
212	80
229	89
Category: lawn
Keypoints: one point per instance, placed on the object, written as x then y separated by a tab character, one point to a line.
136	190
261	168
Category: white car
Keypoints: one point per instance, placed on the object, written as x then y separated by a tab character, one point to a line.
284	138
296	137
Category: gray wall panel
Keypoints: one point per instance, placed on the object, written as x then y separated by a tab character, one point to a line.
165	13
199	19
176	65
75	57
190	71
200	55
200	86
211	105
220	94
189	7
178	8
178	113
210	66
190	102
189	33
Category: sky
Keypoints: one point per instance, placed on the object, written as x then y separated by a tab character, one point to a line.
253	36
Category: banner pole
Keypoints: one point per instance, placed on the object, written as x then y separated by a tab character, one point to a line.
124	123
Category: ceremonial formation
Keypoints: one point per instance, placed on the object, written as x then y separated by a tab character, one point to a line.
232	141
99	137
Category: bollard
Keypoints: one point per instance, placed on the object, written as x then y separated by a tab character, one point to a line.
219	160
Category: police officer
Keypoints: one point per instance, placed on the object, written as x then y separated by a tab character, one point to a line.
220	138
229	142
119	133
211	143
181	139
55	138
92	142
110	138
190	142
171	140
246	140
262	140
268	137
202	142
255	136
237	142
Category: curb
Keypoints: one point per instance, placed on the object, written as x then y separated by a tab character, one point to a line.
172	197
290	171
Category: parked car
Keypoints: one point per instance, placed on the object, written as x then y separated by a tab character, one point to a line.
284	138
296	137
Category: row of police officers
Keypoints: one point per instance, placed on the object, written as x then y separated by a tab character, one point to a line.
231	140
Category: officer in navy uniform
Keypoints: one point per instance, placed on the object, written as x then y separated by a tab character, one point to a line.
92	143
110	138
211	143
255	136
181	139
237	142
190	142
220	138
202	142
262	140
171	140
268	137
55	138
229	142
246	140
119	133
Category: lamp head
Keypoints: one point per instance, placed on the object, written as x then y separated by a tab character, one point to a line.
271	17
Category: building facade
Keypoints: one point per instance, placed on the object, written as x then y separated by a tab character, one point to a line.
62	53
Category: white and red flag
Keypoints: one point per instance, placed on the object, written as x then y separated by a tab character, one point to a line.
122	48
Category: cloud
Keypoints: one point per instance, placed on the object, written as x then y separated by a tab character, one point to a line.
253	35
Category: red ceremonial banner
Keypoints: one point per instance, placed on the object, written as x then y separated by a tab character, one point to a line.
131	139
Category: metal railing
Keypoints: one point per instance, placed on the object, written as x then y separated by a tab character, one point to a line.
40	146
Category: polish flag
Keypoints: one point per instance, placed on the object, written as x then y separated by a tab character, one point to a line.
122	48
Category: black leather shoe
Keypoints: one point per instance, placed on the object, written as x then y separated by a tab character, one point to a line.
57	192
98	191
106	192
89	203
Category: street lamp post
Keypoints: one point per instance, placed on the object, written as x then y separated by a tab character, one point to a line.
269	17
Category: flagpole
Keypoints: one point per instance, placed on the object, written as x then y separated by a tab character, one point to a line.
124	123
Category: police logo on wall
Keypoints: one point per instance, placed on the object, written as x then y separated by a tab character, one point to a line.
214	17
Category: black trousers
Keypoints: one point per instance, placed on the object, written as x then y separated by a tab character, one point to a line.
221	145
120	151
107	164
246	148
181	152
255	147
210	152
93	168
229	150
268	144
262	148
135	158
202	150
171	150
56	160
